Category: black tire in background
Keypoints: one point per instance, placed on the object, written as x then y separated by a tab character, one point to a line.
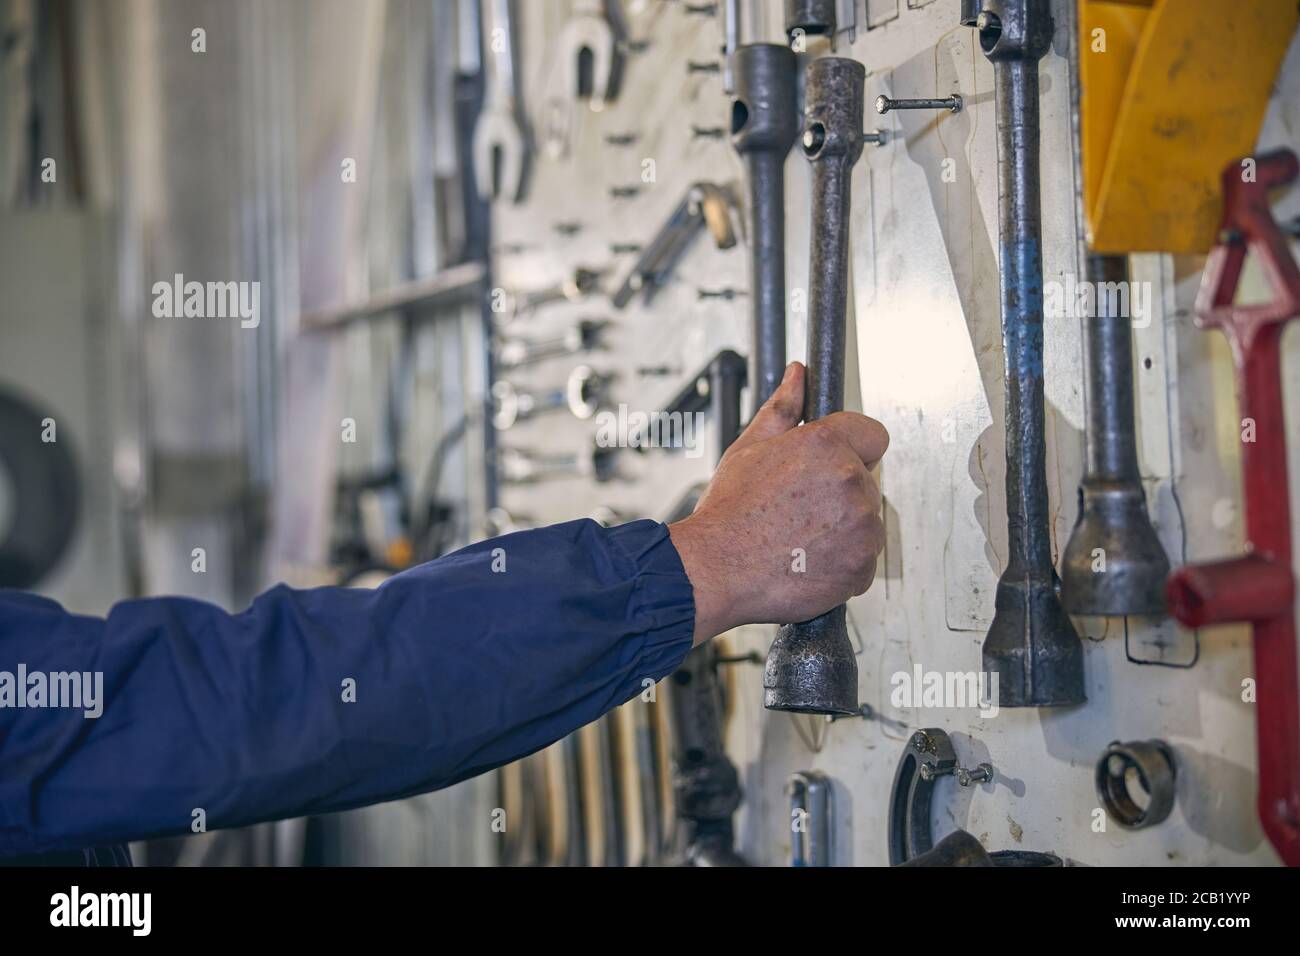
45	491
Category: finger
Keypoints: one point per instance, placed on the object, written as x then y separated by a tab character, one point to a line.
780	413
866	436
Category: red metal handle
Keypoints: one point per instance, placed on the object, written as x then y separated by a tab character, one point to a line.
1258	587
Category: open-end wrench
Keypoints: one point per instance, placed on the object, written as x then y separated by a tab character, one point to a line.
1259	586
587	35
500	146
583	336
705	204
811	667
764	125
1031	645
1113	564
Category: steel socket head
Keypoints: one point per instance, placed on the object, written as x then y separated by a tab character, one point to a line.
833	108
1032	646
1114	563
811	668
764	111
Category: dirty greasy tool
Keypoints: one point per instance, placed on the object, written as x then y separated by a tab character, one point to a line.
1152	763
764	125
810	17
705	784
811	667
500	146
1114	563
1259	586
1031	645
928	757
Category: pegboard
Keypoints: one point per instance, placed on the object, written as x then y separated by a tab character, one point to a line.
927	362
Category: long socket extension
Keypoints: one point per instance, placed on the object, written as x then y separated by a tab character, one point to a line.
1114	563
811	667
764	125
1031	645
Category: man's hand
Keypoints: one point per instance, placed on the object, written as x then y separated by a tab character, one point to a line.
790	524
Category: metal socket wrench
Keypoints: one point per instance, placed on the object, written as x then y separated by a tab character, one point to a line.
764	125
811	667
1114	563
1031	645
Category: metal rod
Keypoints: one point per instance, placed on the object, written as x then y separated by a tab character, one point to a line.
811	666
764	125
1031	645
1114	563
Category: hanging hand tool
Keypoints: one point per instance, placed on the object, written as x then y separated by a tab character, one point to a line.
810	17
1114	564
1152	762
588	40
706	787
928	757
584	336
1258	587
500	145
810	819
581	283
705	204
764	124
1031	645
811	666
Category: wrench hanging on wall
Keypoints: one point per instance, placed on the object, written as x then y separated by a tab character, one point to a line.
1114	563
764	124
1258	587
500	143
1031	645
811	666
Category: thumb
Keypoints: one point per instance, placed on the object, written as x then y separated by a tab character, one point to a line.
780	413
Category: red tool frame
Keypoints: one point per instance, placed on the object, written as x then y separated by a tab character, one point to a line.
1259	586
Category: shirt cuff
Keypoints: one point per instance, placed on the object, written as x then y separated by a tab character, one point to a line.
663	601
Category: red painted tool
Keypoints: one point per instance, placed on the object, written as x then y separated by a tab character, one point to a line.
1259	586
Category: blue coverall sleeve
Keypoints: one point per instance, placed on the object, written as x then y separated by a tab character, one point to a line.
321	700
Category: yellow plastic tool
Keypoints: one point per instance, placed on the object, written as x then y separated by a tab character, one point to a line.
1172	91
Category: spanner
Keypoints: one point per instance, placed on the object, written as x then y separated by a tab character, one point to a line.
1031	645
587	33
811	667
764	125
1113	526
500	146
1259	586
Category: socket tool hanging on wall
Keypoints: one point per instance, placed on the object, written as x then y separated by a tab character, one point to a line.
764	125
811	666
1114	563
1152	763
1258	587
705	204
1031	645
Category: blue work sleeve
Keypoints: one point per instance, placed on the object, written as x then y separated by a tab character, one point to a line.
321	700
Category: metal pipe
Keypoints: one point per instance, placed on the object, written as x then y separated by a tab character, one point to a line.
764	125
1031	645
1114	563
811	666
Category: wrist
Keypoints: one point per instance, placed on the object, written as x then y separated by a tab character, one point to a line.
714	607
